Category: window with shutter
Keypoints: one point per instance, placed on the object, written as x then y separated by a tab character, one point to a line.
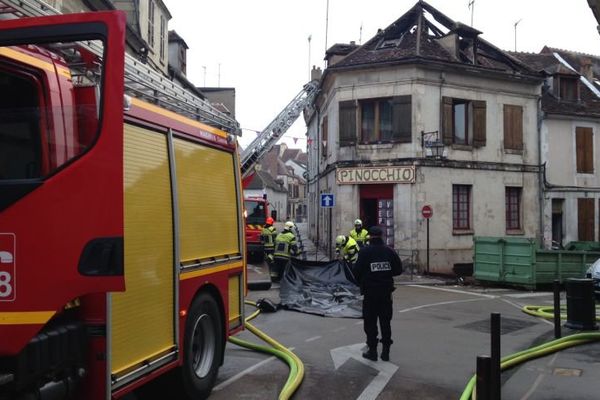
513	127
347	123
585	219
584	149
324	137
463	122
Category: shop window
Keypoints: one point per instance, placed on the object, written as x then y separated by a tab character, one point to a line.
513	208
461	208
513	127
463	122
584	146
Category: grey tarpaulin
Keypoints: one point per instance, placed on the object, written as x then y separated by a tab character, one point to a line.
323	288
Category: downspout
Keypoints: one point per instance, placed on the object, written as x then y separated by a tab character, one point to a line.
541	177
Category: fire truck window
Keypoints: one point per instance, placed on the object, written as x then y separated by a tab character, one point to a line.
20	155
50	105
256	212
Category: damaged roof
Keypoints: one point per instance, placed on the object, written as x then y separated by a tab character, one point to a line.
425	34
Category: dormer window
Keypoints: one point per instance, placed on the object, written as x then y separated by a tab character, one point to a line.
567	88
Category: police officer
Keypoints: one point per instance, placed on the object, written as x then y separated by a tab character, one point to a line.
285	248
347	249
375	268
359	234
267	239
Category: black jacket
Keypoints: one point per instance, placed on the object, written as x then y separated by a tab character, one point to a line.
376	266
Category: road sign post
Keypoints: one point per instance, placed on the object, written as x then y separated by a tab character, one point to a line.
427	213
328	201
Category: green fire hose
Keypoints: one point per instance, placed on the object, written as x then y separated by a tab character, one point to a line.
277	349
537	351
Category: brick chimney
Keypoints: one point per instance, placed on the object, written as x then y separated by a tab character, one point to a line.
315	73
586	69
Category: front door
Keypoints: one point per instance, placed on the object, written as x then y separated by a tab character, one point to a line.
377	208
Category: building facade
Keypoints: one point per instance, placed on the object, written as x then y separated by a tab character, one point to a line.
426	113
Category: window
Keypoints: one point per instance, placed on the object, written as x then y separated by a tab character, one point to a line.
585	219
381	120
151	24
461	207
324	136
584	148
513	208
463	122
513	127
567	87
163	29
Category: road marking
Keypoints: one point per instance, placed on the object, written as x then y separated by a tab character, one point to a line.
245	372
524	295
341	328
539	379
312	339
520	307
441	303
386	370
487	296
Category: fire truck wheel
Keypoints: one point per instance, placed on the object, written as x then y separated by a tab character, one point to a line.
203	347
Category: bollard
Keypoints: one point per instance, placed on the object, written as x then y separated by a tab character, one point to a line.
495	371
483	377
557	330
581	307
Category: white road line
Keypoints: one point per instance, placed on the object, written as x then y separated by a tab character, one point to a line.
538	380
241	374
341	328
525	295
520	307
442	303
312	339
487	296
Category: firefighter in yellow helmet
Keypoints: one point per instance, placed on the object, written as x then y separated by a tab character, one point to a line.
360	234
346	249
286	247
267	239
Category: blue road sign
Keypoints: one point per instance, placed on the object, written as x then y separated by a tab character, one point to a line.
327	200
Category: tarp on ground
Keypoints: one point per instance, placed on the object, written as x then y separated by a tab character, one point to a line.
323	288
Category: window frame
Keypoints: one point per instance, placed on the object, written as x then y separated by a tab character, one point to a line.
461	224
151	7
513	127
513	196
163	28
396	121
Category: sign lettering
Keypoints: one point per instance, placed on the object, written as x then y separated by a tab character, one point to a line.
7	267
380	266
365	175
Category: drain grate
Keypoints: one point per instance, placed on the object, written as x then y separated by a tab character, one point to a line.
507	325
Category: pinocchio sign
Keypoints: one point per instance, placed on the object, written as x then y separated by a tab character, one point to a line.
365	175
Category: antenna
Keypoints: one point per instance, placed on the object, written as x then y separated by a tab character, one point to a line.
326	24
472	7
204	68
360	36
516	23
309	39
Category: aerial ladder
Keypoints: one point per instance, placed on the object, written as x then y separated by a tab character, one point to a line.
263	142
141	80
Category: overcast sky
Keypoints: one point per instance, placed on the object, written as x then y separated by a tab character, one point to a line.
261	47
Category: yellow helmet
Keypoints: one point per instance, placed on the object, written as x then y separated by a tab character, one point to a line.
340	240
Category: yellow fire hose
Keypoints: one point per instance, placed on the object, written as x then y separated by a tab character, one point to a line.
277	349
537	351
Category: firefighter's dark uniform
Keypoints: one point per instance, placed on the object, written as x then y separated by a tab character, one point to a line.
285	248
267	238
375	268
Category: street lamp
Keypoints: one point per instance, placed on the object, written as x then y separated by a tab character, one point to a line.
431	140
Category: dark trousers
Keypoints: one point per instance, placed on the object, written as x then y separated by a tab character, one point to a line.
278	267
377	306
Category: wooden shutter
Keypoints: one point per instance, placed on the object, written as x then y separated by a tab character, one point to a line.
513	127
479	123
585	219
325	138
584	143
402	119
447	120
347	122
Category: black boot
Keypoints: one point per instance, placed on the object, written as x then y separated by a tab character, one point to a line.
385	352
370	354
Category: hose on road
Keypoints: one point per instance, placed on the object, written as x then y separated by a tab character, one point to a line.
296	365
537	351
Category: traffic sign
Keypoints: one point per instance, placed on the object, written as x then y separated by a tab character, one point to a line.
327	200
427	211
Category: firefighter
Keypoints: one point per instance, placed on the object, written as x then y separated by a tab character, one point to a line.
285	248
267	239
346	249
359	234
375	268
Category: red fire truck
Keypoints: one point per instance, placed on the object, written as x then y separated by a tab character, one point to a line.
256	210
122	257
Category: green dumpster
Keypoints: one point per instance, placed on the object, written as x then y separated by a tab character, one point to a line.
583	246
520	262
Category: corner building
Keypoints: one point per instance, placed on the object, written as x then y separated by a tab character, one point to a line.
425	113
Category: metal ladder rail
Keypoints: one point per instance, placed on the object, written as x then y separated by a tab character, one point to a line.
265	139
140	80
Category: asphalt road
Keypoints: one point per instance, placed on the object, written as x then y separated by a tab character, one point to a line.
438	333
